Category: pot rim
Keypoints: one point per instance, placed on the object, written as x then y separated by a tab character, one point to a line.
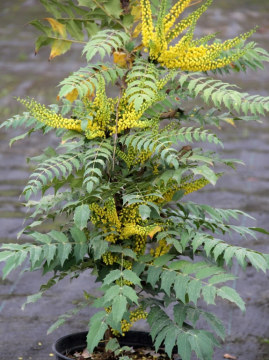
62	338
83	334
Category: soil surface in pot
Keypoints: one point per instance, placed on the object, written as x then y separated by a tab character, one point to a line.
142	353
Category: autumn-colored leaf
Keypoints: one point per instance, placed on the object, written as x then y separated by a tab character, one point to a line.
154	231
136	11
137	30
57	27
59	47
120	58
72	96
90	95
123	59
138	48
230	121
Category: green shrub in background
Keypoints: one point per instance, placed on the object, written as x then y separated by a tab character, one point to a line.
125	163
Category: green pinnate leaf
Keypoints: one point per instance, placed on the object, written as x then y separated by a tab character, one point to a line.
130	293
201	345
215	324
170	340
111	293
209	294
167	279
180	286
49	252
99	247
36	253
131	276
32	299
4	255
180	313
183	345
81	216
153	275
230	294
144	211
58	236
257	260
163	259
118	307
216	279
78	235
64	250
97	328
194	289
112	276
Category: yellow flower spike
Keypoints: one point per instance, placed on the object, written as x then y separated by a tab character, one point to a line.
49	117
174	13
135	315
140	244
147	24
185	55
112	214
194	186
188	21
162	249
134	229
110	258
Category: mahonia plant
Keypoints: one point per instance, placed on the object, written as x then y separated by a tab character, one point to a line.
125	163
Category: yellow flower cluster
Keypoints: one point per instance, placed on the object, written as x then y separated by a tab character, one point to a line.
135	315
185	54
129	118
161	249
110	258
126	223
129	214
188	188
101	110
122	282
107	217
140	244
174	13
49	117
118	227
147	24
155	169
135	229
194	186
173	187
184	23
134	156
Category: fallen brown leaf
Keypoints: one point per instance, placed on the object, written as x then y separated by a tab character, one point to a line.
86	354
228	356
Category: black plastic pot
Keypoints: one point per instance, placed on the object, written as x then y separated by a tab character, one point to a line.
77	342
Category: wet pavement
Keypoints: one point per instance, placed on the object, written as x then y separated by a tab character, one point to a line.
23	333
